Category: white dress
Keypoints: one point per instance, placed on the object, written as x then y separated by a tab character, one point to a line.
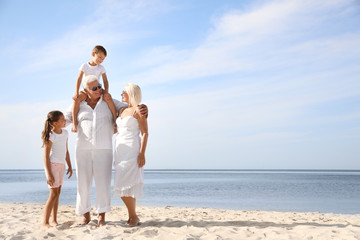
129	178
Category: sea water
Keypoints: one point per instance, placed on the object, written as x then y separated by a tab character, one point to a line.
270	190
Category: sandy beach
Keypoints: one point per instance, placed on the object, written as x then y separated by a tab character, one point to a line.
22	221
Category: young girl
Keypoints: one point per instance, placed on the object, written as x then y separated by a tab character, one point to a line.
55	141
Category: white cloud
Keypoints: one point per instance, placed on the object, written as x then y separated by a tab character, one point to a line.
109	25
276	34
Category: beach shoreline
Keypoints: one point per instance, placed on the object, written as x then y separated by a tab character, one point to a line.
23	221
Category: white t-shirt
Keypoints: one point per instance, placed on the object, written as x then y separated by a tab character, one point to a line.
97	70
58	148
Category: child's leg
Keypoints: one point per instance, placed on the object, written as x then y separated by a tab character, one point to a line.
107	97
55	208
49	206
75	110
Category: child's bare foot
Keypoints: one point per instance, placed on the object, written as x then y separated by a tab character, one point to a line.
134	222
74	128
46	225
101	221
128	221
54	223
86	219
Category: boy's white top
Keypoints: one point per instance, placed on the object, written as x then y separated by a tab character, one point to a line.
58	147
97	70
95	126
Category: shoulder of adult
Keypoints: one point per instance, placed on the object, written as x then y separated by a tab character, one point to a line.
121	110
118	104
68	114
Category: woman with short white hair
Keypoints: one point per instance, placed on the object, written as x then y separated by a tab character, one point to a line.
129	154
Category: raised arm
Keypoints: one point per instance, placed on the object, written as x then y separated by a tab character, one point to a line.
106	82
78	83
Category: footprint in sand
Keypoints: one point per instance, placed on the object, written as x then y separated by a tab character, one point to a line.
65	225
150	233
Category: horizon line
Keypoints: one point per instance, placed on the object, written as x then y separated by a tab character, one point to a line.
210	169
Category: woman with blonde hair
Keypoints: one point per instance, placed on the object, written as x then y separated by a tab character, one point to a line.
129	153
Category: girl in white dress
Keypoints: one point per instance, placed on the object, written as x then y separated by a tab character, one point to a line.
129	153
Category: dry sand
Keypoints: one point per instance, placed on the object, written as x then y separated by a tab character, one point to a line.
22	221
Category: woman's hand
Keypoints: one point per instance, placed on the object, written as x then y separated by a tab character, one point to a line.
141	160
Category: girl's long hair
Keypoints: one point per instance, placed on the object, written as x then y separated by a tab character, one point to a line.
52	116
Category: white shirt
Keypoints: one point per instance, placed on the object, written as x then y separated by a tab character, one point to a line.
97	70
58	147
96	126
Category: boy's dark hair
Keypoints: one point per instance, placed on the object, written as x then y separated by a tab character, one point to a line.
99	48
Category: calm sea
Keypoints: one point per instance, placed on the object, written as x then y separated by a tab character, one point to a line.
271	190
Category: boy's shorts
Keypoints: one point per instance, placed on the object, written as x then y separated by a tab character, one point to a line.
58	171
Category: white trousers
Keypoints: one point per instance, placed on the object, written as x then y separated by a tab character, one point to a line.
95	164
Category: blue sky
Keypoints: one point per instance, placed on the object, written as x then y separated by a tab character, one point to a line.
229	84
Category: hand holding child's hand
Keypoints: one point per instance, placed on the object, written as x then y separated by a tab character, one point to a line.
69	172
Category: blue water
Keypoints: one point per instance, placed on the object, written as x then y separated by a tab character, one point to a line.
316	191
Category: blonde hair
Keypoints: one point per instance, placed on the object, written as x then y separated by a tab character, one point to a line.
134	93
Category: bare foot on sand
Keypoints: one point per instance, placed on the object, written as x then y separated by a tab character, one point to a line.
54	223
101	221
46	225
134	222
86	219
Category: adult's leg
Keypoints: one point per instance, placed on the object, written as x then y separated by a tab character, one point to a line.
102	175
130	204
84	172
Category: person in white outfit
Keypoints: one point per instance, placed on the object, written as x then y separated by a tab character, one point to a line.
129	153
93	150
